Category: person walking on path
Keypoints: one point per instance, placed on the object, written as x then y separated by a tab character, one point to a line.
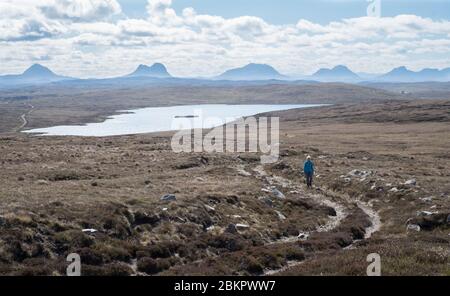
308	169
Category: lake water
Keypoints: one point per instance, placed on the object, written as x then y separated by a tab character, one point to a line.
150	120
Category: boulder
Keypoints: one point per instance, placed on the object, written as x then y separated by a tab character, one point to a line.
280	215
244	173
179	219
210	209
278	193
231	229
360	174
427	199
204	160
41	182
242	226
424	213
413	227
91	230
411	182
169	197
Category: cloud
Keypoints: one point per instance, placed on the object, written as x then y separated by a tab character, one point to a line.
22	23
80	10
92	36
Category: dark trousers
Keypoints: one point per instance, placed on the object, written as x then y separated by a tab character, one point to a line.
309	179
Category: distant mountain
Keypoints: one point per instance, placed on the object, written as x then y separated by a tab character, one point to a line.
337	74
38	71
36	74
157	70
252	72
398	74
402	74
446	73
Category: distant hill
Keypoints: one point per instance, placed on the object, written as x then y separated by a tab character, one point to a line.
446	73
38	71
337	74
252	72
402	74
398	74
36	74
157	70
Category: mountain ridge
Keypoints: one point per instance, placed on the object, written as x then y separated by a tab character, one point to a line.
35	74
252	71
338	73
39	74
403	74
157	70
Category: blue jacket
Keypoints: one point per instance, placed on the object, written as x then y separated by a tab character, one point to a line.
309	167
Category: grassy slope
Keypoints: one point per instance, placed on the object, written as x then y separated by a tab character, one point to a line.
54	187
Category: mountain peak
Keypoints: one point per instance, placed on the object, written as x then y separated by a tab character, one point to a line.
252	71
253	65
401	69
338	73
341	68
37	70
157	70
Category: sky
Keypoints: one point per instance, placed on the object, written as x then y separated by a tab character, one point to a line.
290	11
202	38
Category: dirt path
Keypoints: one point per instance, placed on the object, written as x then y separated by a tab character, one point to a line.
374	218
376	225
368	209
24	119
333	221
335	201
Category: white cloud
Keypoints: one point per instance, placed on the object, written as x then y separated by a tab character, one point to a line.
80	10
83	36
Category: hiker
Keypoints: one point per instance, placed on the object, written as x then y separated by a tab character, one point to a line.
309	171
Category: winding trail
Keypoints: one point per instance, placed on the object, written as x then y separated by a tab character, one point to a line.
24	119
333	222
321	199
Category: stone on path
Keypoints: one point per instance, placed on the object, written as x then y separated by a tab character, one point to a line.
169	197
